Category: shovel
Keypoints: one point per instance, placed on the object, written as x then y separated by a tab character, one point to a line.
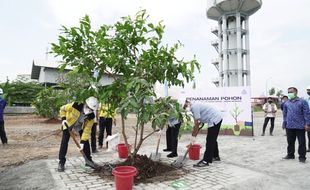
55	132
156	156
88	162
179	163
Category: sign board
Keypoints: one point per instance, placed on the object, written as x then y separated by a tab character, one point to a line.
234	104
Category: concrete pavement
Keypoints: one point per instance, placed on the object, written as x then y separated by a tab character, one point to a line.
246	163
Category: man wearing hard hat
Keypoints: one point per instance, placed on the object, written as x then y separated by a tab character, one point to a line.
2	131
308	132
80	118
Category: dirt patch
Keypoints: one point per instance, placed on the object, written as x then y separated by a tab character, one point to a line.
148	170
30	138
54	121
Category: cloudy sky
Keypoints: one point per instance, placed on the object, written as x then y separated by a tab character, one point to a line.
279	35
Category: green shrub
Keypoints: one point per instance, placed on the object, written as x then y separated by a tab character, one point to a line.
49	101
257	108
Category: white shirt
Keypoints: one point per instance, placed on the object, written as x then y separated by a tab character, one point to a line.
206	114
270	109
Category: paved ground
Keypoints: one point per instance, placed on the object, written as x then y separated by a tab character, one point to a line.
247	163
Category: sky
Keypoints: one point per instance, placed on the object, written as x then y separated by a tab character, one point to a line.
279	35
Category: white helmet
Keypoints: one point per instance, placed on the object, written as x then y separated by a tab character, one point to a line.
92	103
308	87
1	91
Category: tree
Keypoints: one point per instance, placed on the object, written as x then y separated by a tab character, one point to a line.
235	112
131	52
20	92
279	93
272	91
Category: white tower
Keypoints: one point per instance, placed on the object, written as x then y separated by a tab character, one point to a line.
232	42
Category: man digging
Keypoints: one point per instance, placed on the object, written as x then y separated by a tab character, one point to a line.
77	117
204	113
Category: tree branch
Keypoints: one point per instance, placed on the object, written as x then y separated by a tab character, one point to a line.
151	134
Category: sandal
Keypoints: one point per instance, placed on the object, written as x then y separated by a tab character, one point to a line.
201	163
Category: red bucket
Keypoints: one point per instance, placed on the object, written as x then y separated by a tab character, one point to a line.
194	152
124	177
122	150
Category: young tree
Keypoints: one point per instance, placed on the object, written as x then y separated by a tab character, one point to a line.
279	93
132	53
272	91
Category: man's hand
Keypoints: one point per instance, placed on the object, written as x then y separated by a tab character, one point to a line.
196	128
64	124
307	128
81	147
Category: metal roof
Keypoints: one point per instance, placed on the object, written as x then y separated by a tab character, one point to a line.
38	64
217	8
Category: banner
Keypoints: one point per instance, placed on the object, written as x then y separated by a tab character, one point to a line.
234	104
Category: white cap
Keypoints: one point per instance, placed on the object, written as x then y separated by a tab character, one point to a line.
92	103
308	87
1	91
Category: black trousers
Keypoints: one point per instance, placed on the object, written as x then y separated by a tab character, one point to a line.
266	123
212	149
308	133
172	134
104	124
93	137
291	138
2	133
64	147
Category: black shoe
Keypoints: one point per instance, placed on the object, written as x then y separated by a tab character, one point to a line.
217	159
61	167
201	163
172	155
167	150
302	160
308	150
100	146
271	134
263	134
288	157
95	151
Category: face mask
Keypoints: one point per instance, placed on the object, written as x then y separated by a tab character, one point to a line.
308	93
1	96
291	96
269	101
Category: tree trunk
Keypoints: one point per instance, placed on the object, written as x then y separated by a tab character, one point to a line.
124	134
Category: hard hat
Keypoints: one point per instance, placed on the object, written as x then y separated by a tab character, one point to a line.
92	103
308	87
1	91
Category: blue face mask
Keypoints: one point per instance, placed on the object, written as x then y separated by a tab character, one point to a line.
1	96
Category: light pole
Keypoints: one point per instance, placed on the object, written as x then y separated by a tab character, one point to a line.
267	85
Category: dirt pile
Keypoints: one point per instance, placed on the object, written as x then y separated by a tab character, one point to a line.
148	170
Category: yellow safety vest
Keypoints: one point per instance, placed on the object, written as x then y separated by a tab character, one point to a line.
72	115
105	112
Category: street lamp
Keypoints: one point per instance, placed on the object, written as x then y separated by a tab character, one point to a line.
267	85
